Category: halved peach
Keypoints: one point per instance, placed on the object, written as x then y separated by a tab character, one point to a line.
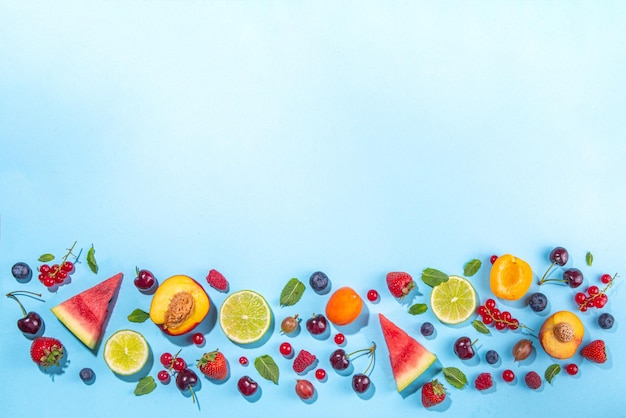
179	305
561	334
510	277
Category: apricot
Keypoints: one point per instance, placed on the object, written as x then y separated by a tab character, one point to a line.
510	277
561	334
179	305
344	306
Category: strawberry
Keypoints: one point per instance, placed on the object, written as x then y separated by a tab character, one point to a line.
483	381
303	361
595	351
217	281
533	380
400	284
433	393
213	365
46	351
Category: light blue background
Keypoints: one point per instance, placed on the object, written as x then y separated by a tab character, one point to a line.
272	139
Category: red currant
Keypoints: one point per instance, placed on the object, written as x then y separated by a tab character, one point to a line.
339	338
67	266
166	359
601	300
508	376
179	364
320	374
487	320
286	349
605	278
506	316
48	281
197	338
44	268
593	290
163	376
493	259
571	369
482	311
372	295
582	308
54	269
500	325
58	278
514	324
580	298
490	304
243	360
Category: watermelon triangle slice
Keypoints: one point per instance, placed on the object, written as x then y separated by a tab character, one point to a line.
86	313
409	359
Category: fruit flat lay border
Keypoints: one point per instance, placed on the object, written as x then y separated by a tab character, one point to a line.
560	337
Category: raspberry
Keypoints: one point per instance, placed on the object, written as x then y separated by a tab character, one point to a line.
483	381
303	361
532	380
217	281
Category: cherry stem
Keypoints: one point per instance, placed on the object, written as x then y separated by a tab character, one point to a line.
26	293
543	278
370	352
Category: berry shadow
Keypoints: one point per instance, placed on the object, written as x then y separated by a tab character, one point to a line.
443	406
369	393
311	400
355	326
255	396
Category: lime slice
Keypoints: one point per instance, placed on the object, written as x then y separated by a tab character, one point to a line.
126	352
245	317
453	301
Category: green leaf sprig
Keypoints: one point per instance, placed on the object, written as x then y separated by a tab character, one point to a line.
433	277
418	308
455	377
480	327
589	258
145	385
138	316
267	368
91	260
471	267
551	372
292	292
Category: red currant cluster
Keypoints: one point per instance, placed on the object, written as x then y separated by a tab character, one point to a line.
595	297
56	274
490	315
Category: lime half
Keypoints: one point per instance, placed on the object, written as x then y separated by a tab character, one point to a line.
245	317
454	301
126	352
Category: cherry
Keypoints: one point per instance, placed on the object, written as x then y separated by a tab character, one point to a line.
286	349
559	256
340	338
186	379
145	280
317	324
339	360
372	295
304	389
463	347
573	277
360	382
31	323
197	338
247	386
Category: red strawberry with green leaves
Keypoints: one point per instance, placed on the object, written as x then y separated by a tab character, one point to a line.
217	281
213	365
595	351
433	393
46	351
400	283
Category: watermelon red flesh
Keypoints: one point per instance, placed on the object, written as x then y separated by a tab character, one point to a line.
86	313
409	359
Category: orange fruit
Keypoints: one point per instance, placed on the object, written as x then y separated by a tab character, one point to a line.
510	277
344	306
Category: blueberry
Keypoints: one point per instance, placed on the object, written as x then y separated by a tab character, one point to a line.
87	375
427	329
492	356
606	321
22	272
537	302
319	282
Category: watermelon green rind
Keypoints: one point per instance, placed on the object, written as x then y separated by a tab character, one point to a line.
409	359
86	313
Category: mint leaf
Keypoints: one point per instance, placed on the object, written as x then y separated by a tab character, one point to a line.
138	316
589	258
91	260
145	386
418	308
551	372
480	327
455	377
44	258
292	292
433	277
267	368
471	267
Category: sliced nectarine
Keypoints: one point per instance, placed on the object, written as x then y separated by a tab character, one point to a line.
561	334
178	305
510	277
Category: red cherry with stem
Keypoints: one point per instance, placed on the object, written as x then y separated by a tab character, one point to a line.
31	323
463	348
145	280
247	386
